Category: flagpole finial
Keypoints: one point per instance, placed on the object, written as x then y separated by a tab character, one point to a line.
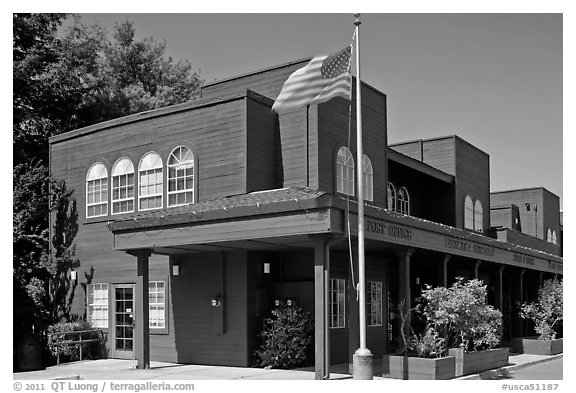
357	20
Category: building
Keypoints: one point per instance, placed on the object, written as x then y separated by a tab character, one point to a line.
198	217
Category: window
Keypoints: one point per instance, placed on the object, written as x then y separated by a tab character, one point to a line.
403	201
549	235
345	172
478	216
337	303
368	179
554	239
98	305
150	182
97	191
468	213
374	303
180	177
157	305
391	197
123	186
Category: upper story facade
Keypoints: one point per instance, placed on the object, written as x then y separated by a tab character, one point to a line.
229	143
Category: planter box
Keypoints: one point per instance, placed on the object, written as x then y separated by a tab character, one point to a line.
537	347
406	367
475	362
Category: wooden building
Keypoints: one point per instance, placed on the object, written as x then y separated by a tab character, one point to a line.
197	217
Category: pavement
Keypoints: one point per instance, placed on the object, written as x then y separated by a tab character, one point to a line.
117	369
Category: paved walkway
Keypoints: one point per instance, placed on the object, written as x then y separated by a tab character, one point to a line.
116	369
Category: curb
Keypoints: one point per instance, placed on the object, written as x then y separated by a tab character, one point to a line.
511	368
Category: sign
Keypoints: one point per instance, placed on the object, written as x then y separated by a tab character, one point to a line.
523	259
469	247
391	230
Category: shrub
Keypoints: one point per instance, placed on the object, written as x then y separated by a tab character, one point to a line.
287	335
427	345
461	316
71	352
547	311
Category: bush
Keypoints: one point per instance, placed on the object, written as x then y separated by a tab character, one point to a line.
547	311
71	352
427	345
461	316
287	335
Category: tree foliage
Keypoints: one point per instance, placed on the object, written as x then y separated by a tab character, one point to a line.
546	312
64	79
461	315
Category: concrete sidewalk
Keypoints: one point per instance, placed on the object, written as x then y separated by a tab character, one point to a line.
116	369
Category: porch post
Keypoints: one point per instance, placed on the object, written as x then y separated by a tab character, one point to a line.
476	267
500	290
321	309
445	269
141	326
522	296
404	281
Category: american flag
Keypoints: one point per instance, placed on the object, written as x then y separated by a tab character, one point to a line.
323	78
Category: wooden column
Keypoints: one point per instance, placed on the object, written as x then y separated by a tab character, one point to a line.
522	296
321	309
500	290
141	301
445	267
476	267
404	283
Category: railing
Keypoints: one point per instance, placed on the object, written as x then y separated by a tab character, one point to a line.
61	339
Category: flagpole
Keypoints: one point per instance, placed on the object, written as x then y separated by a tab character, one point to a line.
362	358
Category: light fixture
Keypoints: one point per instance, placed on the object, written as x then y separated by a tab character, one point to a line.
175	270
73	275
266	267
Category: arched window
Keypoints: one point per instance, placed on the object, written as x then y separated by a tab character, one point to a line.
391	196
549	235
150	181
368	178
554	239
403	201
123	186
468	213
97	191
180	177
345	171
478	216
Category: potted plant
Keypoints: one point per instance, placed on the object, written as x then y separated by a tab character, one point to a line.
422	356
547	314
472	329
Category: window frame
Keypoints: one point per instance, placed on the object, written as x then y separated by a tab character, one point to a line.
120	187
477	221
194	176
368	173
391	196
345	182
369	304
153	169
89	304
403	203
468	213
339	302
154	329
104	190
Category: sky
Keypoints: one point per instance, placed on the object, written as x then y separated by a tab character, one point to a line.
493	79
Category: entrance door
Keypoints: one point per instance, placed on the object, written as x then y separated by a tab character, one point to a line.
123	331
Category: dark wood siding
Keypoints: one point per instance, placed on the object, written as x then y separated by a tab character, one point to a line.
472	178
262	135
196	322
268	83
333	132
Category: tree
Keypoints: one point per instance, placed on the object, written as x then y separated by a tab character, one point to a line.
546	312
